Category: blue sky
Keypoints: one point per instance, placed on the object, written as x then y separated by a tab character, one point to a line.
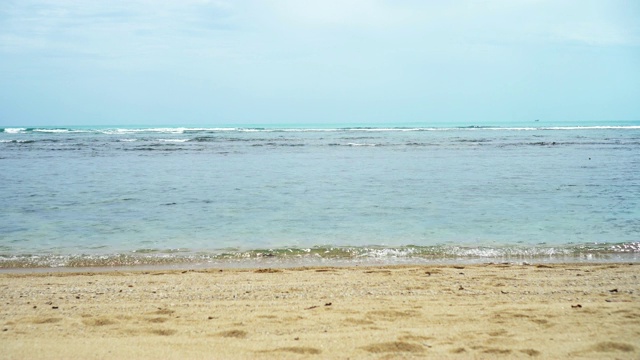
75	62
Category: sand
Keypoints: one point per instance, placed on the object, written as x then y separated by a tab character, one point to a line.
458	312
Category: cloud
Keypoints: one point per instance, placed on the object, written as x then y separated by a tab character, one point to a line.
113	28
594	34
335	13
242	29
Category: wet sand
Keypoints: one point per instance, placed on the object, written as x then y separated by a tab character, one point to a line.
458	312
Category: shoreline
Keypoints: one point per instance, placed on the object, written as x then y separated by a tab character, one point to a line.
458	311
178	264
329	256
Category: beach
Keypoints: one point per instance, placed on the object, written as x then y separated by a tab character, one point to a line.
319	179
508	310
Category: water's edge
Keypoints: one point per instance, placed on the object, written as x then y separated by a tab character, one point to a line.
268	263
284	257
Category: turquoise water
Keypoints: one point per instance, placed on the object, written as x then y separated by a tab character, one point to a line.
112	195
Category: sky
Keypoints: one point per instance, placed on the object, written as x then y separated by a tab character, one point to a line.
190	62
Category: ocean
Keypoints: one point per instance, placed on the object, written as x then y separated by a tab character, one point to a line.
257	196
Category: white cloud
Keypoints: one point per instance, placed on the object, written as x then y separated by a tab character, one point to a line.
594	34
130	35
220	28
353	13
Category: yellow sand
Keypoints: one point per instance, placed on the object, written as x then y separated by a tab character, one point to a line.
479	311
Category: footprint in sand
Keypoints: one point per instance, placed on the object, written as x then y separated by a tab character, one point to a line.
415	338
497	351
353	321
393	347
162	332
238	334
156	320
391	315
610	346
530	352
98	322
49	320
162	311
299	350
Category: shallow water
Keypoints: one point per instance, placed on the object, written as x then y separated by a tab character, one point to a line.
120	196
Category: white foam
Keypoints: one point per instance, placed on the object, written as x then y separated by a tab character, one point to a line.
632	127
14	130
390	129
16	141
508	128
356	144
590	127
214	129
388	252
180	130
58	131
155	130
173	140
183	130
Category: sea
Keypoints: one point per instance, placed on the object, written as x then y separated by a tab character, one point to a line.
298	195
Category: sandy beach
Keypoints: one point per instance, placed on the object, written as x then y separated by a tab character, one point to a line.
458	312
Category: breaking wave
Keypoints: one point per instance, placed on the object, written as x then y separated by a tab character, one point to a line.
204	130
341	254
